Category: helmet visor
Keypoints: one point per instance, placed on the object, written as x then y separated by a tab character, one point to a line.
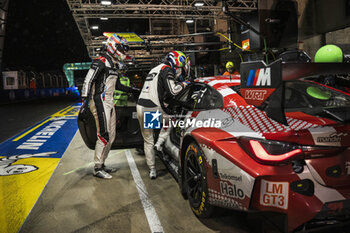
122	48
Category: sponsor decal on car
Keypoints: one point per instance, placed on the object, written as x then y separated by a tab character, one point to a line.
231	190
274	194
230	177
255	94
334	137
216	198
259	77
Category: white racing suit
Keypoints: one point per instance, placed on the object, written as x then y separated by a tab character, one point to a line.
159	86
99	85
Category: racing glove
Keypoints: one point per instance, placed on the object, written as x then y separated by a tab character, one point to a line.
84	111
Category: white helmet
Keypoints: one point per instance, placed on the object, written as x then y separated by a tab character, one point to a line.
117	47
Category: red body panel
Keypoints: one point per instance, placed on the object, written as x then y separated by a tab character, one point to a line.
241	182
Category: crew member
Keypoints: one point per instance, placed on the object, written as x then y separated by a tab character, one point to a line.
121	97
161	85
230	69
99	85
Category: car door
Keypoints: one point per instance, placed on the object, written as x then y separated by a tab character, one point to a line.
128	133
193	98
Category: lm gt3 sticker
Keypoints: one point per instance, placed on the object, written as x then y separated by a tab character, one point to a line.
274	194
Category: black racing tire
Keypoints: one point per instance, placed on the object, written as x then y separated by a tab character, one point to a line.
195	182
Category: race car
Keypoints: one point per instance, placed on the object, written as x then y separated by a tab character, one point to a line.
265	140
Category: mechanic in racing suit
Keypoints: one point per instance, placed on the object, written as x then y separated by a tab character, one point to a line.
99	85
161	85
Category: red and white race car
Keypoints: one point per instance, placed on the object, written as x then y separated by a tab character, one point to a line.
264	141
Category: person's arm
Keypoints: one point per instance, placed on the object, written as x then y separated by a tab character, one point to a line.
171	85
96	68
121	87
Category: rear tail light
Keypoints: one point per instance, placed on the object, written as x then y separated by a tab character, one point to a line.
276	152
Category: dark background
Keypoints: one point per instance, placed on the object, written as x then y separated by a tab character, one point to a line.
41	35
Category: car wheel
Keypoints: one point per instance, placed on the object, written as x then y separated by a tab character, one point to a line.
195	181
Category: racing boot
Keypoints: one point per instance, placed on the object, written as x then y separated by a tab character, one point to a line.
152	173
100	173
108	169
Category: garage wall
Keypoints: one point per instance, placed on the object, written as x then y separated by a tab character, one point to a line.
323	22
340	38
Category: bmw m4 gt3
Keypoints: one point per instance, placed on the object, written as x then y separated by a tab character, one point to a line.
265	140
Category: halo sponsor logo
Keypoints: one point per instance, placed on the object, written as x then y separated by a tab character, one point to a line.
231	190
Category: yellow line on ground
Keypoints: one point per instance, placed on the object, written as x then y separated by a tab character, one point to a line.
34	128
31	130
59	112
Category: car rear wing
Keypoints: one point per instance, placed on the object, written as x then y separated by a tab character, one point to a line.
262	85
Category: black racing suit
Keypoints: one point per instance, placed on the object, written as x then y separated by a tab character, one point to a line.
99	85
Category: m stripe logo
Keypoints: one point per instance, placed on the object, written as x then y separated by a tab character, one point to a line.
259	77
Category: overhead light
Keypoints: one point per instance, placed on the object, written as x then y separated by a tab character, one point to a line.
103	18
95	27
104	42
98	49
106	3
199	4
189	20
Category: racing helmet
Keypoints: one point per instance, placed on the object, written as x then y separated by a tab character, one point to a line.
117	47
178	62
230	66
329	53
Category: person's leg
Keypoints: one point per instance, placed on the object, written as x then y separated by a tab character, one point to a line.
164	132
148	138
98	111
111	120
111	124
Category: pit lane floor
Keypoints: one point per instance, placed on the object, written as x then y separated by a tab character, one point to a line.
76	201
72	200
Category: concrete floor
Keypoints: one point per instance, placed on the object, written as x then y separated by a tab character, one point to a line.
75	201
